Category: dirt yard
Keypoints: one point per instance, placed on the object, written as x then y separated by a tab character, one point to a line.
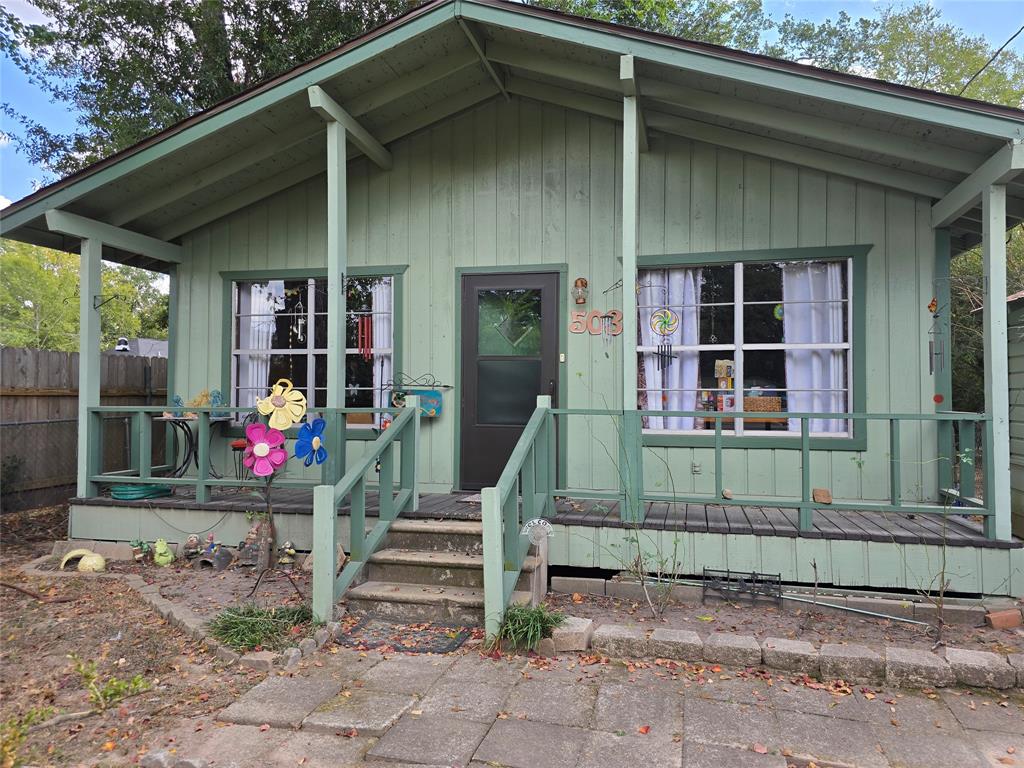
766	620
101	621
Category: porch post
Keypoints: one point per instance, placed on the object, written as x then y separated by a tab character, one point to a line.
997	377
941	364
630	433
89	445
337	267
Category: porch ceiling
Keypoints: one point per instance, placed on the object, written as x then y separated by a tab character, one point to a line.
423	68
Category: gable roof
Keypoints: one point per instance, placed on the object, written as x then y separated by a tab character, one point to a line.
420	68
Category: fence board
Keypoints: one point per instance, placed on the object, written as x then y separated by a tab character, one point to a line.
39	419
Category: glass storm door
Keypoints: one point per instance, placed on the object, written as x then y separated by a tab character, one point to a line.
509	356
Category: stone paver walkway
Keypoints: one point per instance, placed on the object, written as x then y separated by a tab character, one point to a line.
364	709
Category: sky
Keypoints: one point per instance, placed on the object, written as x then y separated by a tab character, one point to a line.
995	19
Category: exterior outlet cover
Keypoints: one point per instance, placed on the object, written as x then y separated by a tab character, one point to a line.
696	468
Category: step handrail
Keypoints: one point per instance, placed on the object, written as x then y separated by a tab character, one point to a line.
524	492
328	585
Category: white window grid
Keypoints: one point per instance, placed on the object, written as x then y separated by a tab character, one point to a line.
738	347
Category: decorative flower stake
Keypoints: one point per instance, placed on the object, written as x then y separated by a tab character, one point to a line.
264	454
309	444
285	405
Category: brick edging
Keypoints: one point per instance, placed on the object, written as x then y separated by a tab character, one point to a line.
894	666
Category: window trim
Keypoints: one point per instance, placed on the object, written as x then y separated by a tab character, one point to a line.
857	254
228	278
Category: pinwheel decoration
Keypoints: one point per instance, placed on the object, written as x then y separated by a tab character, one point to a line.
664	322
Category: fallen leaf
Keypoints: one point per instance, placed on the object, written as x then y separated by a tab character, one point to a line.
577	598
644	729
761	749
108	746
265	727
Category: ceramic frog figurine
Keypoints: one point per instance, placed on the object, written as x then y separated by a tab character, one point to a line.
162	554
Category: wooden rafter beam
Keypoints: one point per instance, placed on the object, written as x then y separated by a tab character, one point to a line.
331	111
316	166
1002	167
402	86
739	140
477	42
73	225
631	89
172	193
733	109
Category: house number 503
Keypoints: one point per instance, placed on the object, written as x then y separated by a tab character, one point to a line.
593	322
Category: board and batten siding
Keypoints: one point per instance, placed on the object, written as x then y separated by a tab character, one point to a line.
1015	332
524	183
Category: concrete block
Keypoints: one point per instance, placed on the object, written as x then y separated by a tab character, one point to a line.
901	608
728	648
290	658
686	593
224	653
1005	619
321	637
569	584
158	759
791	655
546	647
967	615
915	668
113	550
573	635
980	669
1016	660
626	590
307	646
620	641
680	644
850	662
259	660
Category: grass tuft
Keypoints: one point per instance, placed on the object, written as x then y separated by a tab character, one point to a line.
525	626
249	627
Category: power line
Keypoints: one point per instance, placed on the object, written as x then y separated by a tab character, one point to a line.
985	66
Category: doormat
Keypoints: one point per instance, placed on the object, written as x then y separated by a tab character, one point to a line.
422	637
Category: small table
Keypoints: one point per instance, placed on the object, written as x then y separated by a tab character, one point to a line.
190	455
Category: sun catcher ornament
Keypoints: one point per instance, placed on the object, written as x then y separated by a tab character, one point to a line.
664	323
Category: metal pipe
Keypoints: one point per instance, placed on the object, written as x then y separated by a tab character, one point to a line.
791	596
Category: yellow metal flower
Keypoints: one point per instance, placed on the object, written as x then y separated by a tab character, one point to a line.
284	405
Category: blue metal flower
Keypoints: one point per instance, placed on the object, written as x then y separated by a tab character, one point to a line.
309	445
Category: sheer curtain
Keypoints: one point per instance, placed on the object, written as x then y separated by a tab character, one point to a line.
381	296
260	303
820	370
678	290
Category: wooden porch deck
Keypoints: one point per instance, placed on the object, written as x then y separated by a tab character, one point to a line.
833	524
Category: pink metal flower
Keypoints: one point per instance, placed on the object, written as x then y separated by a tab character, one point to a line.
263	453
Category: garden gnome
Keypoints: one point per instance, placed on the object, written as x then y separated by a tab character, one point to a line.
192	547
162	554
248	550
210	545
286	559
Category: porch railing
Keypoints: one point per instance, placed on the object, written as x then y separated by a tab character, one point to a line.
525	491
527	487
200	473
328	585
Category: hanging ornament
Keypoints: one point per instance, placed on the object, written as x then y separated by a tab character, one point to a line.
364	336
299	322
664	323
777	313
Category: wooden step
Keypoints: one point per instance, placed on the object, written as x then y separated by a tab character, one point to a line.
444	568
436	535
418	602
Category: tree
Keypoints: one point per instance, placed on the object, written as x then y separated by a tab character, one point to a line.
132	68
39	300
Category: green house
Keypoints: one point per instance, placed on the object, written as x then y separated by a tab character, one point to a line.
634	283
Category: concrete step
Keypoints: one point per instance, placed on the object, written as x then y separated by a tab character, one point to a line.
436	535
418	602
454	569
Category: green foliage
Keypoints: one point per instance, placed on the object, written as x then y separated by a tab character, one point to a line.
524	625
247	627
132	68
13	732
39	300
103	693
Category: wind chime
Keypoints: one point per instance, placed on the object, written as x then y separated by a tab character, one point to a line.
299	322
364	336
937	342
664	323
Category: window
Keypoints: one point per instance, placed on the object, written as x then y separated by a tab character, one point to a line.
767	337
279	330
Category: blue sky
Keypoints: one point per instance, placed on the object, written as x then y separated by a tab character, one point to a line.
995	19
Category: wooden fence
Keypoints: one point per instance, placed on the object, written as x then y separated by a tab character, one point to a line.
39	419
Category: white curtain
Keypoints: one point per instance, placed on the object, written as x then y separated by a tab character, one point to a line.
381	307
678	290
821	371
257	307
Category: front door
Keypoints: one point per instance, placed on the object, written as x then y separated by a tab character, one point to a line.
509	356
